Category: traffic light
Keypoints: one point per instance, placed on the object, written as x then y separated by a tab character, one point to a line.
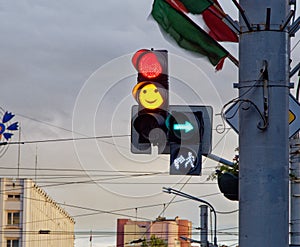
189	135
151	93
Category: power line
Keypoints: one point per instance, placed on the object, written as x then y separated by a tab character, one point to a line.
64	139
101	179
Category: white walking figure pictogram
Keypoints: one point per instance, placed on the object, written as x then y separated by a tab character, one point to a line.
188	161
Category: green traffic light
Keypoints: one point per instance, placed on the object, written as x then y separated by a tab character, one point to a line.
186	127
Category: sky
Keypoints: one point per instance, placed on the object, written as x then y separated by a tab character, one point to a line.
66	72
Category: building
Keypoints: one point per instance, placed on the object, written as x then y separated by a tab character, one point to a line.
30	218
170	230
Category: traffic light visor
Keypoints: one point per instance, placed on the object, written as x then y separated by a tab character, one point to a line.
136	56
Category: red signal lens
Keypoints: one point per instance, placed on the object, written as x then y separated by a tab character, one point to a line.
149	66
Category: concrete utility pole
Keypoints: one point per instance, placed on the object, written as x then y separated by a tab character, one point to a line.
263	123
204	225
295	190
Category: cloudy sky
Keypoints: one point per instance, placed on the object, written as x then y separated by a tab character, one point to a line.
65	72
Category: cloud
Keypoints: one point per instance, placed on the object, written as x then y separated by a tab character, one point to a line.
50	50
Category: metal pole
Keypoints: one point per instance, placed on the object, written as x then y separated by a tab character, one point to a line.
295	191
219	159
180	193
203	225
263	125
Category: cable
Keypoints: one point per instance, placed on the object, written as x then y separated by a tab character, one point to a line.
239	99
229	212
64	139
101	137
295	45
97	211
234	100
49	124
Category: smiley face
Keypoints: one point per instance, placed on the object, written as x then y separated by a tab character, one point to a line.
149	96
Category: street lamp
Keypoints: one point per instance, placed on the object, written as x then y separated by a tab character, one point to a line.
182	194
134	242
190	240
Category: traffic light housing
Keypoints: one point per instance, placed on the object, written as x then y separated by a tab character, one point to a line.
152	95
189	136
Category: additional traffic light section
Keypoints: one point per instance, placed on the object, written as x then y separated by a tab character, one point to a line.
151	92
189	135
185	160
186	126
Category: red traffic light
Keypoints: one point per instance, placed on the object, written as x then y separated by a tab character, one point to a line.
148	63
149	66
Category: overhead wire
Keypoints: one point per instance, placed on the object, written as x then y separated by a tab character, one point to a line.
173	198
86	138
98	211
67	139
114	212
294	47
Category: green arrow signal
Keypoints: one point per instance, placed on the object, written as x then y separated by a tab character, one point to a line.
187	127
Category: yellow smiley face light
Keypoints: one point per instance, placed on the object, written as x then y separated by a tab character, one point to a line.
148	95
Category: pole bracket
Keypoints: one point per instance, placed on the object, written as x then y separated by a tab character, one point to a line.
265	78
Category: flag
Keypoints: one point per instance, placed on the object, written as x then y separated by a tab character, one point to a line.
192	6
218	30
212	14
186	33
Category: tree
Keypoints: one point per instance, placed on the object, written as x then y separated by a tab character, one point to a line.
154	242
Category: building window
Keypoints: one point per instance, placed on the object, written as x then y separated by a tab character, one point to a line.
13	218
13	196
12	243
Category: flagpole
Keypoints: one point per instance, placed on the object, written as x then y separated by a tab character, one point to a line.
233	59
226	17
219	13
91	239
243	15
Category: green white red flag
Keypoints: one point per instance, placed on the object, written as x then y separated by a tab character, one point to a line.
170	15
212	14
